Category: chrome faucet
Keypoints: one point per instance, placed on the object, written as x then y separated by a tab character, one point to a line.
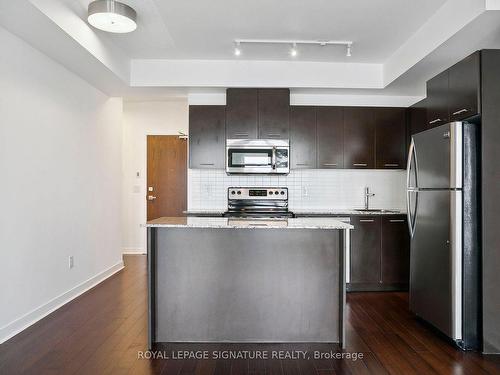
367	197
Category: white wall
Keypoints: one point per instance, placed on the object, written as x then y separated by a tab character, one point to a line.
139	120
315	189
60	168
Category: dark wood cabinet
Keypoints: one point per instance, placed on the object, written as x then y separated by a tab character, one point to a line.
242	113
359	138
437	100
464	88
330	137
417	118
273	113
365	250
206	136
395	259
390	140
302	137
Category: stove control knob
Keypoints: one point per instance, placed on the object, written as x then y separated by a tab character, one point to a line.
270	193
276	192
282	193
233	192
239	192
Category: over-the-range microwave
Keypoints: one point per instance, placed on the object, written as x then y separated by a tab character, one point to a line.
257	156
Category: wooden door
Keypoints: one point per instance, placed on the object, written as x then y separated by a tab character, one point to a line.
274	109
241	113
395	250
359	138
206	136
390	140
365	250
167	176
303	137
437	100
330	135
464	88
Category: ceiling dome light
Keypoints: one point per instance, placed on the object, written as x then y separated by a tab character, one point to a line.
112	16
293	51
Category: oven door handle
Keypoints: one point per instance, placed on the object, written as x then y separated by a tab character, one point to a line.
273	158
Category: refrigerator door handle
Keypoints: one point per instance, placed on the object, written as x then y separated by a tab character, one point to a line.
412	219
411	158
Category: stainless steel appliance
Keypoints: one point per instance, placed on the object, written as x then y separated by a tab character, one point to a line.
258	202
442	203
258	156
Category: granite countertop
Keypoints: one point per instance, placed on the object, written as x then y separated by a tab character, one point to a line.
222	222
311	211
348	212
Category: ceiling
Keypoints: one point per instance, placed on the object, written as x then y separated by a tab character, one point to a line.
184	47
200	29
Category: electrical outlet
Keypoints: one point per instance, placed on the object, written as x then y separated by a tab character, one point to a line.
71	262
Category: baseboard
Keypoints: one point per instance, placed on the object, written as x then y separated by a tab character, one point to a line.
18	325
133	251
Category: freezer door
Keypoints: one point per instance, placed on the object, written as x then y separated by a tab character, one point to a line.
436	261
438	157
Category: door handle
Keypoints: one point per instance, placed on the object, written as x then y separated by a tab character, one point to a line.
366	220
434	121
391	165
360	164
206	163
330	164
151	197
396	221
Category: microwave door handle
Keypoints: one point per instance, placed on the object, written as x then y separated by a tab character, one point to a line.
273	158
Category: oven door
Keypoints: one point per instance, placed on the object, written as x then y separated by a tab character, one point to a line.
257	160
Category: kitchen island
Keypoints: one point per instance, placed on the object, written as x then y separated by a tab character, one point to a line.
246	280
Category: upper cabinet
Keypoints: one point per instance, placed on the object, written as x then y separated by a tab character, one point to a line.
257	113
437	100
303	137
330	136
455	94
273	110
242	113
464	88
390	138
359	138
417	117
206	136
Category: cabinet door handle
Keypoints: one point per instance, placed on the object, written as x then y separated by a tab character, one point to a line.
302	164
396	221
366	220
434	121
207	164
330	164
360	164
391	165
274	135
241	134
460	111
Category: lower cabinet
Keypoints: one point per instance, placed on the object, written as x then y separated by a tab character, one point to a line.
379	255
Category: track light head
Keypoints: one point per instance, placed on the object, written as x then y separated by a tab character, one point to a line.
293	50
349	51
237	49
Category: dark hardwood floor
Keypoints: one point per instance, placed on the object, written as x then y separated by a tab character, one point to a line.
104	332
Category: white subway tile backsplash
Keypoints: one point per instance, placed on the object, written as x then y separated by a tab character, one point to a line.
308	189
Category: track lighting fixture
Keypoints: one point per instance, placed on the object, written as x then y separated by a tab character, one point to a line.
293	50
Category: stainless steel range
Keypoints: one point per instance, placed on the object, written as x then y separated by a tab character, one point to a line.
258	202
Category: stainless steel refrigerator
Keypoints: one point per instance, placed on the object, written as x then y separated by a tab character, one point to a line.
443	218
